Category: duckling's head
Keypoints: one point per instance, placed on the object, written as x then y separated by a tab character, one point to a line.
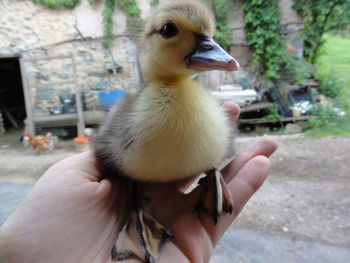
178	43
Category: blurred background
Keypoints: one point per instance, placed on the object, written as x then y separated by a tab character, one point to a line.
64	63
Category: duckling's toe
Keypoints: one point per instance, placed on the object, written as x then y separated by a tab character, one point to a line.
215	196
141	236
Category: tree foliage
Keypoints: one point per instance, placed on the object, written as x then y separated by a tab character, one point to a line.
319	17
340	18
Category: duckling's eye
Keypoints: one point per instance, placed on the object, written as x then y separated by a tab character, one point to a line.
169	30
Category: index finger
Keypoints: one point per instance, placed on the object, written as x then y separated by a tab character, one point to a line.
264	146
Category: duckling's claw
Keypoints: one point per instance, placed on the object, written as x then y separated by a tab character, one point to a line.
142	236
215	196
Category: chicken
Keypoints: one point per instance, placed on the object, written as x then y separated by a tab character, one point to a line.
172	128
39	143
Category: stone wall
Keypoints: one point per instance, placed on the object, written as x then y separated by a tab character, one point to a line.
32	31
50	78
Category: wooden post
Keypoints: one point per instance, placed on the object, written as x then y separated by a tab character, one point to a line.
27	99
79	105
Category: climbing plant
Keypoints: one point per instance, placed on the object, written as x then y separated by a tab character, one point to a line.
220	8
224	31
108	22
262	31
128	6
58	3
133	11
92	2
262	23
319	16
154	3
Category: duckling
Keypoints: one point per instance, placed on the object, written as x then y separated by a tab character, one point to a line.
172	128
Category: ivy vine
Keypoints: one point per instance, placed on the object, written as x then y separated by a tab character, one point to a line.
224	31
220	8
262	24
128	6
134	21
108	22
262	21
92	2
57	3
154	3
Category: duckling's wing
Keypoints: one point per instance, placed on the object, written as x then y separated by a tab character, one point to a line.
115	134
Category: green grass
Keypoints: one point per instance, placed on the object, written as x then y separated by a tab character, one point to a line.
340	130
336	58
318	133
335	62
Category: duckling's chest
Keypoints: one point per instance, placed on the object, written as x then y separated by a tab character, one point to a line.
180	132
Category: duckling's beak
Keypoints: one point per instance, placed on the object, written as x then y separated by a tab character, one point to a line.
209	55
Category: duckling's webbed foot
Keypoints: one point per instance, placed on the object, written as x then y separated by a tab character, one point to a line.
215	196
142	236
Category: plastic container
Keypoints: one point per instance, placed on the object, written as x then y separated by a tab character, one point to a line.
109	97
82	143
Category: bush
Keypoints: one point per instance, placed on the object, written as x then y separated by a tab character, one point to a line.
328	122
326	117
272	114
331	85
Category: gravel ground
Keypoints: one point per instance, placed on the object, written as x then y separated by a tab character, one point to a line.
306	195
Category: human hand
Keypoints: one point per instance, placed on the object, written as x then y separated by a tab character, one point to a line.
70	214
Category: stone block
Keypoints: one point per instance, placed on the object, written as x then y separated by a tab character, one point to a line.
293	128
96	74
44	96
63	76
242	54
41	76
103	85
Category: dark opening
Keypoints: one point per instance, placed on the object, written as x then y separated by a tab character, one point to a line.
12	104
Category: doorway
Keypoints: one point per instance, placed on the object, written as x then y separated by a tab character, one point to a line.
12	105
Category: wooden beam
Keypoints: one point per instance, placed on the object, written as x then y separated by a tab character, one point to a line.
287	119
79	105
256	107
27	99
70	119
46	58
